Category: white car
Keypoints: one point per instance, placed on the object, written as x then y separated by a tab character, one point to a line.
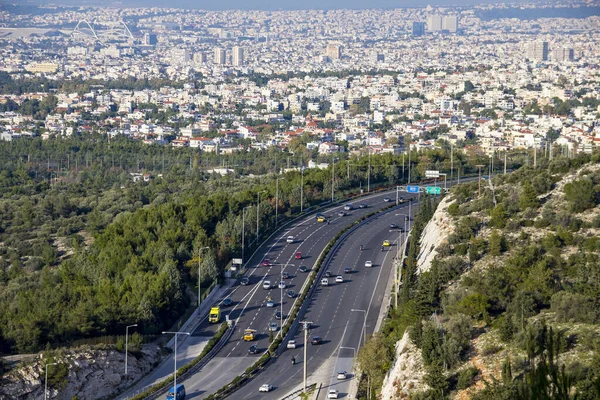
267	388
339	279
290	239
266	285
368	263
291	344
324	282
332	394
342	375
281	285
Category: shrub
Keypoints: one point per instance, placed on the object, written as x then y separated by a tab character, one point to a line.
465	377
490	349
573	307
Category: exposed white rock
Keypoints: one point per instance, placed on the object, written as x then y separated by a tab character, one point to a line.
406	375
435	233
93	374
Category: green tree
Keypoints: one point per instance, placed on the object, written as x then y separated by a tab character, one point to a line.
580	194
528	197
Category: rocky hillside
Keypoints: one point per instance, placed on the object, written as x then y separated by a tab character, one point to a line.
82	374
508	284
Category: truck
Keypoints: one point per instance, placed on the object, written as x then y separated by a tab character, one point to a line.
249	335
176	393
215	315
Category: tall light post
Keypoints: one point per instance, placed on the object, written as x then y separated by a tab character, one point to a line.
301	187
46	380
199	264
281	265
364	328
175	359
369	172
277	199
257	212
332	178
244	231
306	325
409	140
126	344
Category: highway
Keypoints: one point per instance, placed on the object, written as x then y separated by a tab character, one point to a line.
331	311
249	308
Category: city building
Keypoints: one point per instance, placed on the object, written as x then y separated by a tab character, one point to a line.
563	54
418	28
237	56
180	56
434	23
333	52
537	51
200	58
42	67
219	56
450	23
150	39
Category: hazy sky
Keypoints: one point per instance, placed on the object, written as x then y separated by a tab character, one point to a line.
272	4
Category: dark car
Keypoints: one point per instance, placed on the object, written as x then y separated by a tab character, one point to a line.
362	205
285	275
393	226
303	268
316	340
347	270
291	294
328	274
227	302
278	315
244	281
253	349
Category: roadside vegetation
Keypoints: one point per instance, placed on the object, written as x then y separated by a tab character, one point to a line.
509	308
85	250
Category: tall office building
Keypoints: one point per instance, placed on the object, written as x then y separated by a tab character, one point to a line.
237	56
219	56
334	52
537	51
563	54
150	39
180	56
450	23
200	58
434	23
418	28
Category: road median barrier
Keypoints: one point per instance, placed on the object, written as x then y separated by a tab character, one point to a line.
275	348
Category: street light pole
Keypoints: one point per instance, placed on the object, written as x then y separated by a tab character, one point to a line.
276	201
244	232
364	328
257	214
306	325
200	263
301	187
46	380
175	360
369	173
332	179
126	343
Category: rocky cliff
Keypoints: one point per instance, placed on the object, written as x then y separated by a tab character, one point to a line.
96	373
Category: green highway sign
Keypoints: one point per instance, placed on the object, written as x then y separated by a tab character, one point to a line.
434	190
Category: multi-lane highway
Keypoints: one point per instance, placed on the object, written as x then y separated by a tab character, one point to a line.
340	311
249	308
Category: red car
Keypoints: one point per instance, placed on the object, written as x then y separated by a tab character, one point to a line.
298	256
266	262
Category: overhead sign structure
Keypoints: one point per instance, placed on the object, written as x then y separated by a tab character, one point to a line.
432	174
434	190
412	189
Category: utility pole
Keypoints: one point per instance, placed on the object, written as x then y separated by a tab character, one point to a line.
332	178
306	327
451	163
276	201
505	163
534	156
302	186
369	172
479	191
